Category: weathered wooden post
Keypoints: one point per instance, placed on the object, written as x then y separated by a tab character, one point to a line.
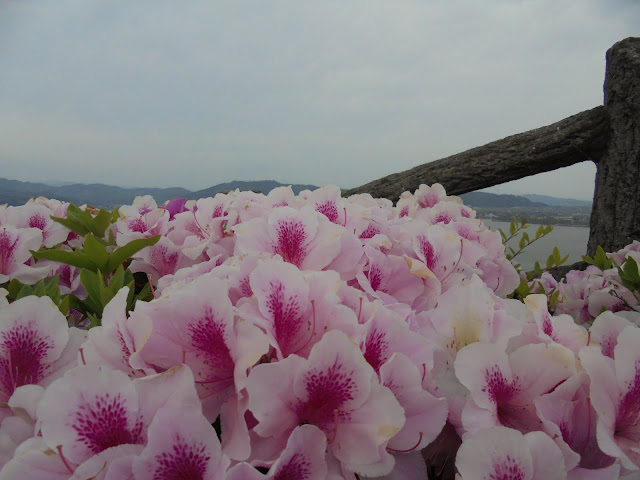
615	218
608	135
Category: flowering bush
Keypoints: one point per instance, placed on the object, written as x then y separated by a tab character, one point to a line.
277	336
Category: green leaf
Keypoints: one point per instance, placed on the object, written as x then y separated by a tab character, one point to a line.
14	288
117	280
629	274
77	258
512	227
600	259
127	251
101	222
537	269
94	285
549	263
94	250
72	225
64	305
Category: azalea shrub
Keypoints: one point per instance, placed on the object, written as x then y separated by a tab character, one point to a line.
309	336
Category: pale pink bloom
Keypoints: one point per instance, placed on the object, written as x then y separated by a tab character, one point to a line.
424	197
575	291
450	257
195	325
93	408
36	345
503	388
506	454
620	256
328	201
140	220
425	414
163	258
558	328
182	445
15	257
605	331
114	463
35	460
336	390
389	278
37	216
295	308
302	459
112	343
22	425
303	238
186	275
468	313
615	396
57	208
388	333
282	197
569	418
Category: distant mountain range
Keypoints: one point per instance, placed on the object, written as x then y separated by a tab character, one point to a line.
483	199
558	202
15	192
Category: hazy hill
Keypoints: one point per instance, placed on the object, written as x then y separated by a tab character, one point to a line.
483	199
558	202
14	192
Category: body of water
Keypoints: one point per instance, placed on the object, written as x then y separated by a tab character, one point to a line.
569	240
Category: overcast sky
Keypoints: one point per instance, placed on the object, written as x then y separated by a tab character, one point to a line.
195	93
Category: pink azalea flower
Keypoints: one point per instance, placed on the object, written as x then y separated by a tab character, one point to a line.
92	409
112	343
141	220
37	216
504	453
389	278
302	459
34	459
15	244
425	414
336	390
503	388
605	330
36	345
615	396
388	333
569	418
558	328
163	258
304	238
295	308
195	325
182	444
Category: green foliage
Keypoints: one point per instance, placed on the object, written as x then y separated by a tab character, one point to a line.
600	259
102	264
629	274
528	283
518	227
47	287
83	222
94	255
